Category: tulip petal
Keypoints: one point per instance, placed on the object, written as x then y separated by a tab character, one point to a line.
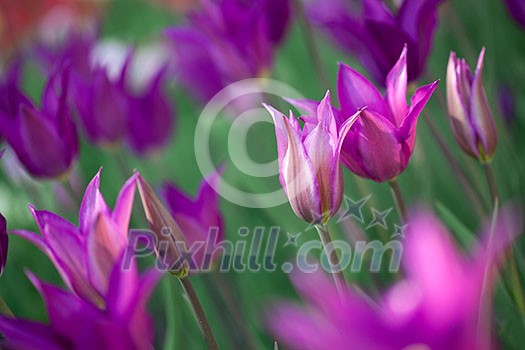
356	92
282	139
480	113
92	205
299	174
21	334
457	109
104	246
380	152
306	105
396	88
123	206
417	103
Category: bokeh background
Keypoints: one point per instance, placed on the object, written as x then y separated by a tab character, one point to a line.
465	26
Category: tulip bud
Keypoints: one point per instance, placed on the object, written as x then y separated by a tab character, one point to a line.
310	172
167	232
199	218
471	118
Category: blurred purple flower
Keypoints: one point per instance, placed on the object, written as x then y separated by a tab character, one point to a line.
85	255
442	303
309	167
45	139
198	216
517	10
75	323
368	29
380	143
102	107
226	41
471	118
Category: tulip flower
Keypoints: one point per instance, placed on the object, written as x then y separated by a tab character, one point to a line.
45	139
85	255
102	107
309	167
369	30
226	41
75	323
516	9
170	240
441	303
151	117
197	218
471	118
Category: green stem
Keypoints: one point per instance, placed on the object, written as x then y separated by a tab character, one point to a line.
198	311
398	199
170	341
517	289
309	38
339	277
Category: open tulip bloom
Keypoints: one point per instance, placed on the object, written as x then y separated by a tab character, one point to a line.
380	143
309	168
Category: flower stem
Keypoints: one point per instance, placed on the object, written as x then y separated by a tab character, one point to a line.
170	337
398	199
339	277
491	182
309	38
517	289
198	311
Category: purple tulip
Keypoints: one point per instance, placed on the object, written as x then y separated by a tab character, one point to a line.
368	29
517	10
379	145
441	303
45	139
198	217
471	118
226	41
102	107
151	116
309	167
85	255
74	323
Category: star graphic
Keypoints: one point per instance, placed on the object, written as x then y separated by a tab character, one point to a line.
399	231
353	208
291	239
379	218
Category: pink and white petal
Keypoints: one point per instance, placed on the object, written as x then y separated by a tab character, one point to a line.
480	111
104	246
299	174
457	109
92	204
123	206
396	88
